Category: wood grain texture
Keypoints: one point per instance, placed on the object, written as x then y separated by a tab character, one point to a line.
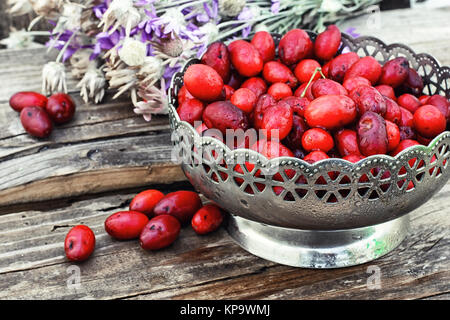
32	262
424	30
107	147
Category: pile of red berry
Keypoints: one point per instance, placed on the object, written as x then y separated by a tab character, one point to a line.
37	113
321	104
153	217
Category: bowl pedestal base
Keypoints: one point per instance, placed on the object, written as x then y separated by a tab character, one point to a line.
315	248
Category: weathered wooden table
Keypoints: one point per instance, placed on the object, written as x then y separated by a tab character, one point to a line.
94	165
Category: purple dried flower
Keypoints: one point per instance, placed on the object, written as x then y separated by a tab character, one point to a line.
351	31
168	74
245	15
275	7
100	9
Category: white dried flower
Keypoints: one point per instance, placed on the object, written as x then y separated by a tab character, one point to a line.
19	7
172	46
71	16
80	62
210	30
231	8
331	6
133	52
176	18
187	52
53	78
155	101
92	86
47	8
120	13
123	78
151	71
19	39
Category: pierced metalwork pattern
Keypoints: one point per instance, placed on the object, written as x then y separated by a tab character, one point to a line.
330	194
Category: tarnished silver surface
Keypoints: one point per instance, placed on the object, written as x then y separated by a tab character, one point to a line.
318	249
332	194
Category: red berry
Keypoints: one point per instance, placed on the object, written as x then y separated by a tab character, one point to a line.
256	84
305	69
341	64
409	102
406	120
394	72
263	42
183	95
386	91
315	156
393	135
326	69
294	46
327	43
330	112
317	139
353	158
277	120
424	99
413	83
429	121
275	71
294	138
404	145
36	122
79	243
60	107
322	87
245	58
190	110
353	83
223	115
244	99
279	91
228	91
235	80
393	112
264	102
347	142
146	201
23	99
160	232
366	67
180	204
207	219
368	99
297	104
372	135
308	94
439	102
217	57
125	225
203	82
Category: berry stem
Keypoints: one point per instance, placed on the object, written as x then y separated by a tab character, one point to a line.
311	79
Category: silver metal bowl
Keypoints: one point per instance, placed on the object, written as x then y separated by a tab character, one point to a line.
329	214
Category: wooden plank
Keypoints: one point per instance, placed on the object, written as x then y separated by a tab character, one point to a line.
32	262
423	30
105	147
